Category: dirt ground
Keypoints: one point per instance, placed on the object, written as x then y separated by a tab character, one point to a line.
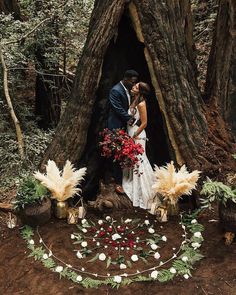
19	274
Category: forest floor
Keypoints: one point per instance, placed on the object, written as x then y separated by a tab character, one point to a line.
20	274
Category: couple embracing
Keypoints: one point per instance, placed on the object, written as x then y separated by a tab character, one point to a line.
128	111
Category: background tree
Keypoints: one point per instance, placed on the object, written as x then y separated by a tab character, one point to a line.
221	76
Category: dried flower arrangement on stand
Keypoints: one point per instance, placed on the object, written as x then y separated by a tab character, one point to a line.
171	184
62	184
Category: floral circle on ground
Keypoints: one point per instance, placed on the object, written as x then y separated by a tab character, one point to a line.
120	245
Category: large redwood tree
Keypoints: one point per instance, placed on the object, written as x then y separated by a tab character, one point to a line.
154	37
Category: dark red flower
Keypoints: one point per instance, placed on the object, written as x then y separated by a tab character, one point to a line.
117	144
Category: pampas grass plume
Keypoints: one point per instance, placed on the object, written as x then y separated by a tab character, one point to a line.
172	184
62	184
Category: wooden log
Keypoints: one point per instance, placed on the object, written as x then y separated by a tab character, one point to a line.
6	207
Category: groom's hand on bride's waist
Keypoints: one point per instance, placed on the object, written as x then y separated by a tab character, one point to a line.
131	121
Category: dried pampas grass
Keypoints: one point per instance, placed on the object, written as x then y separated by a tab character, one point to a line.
172	184
62	184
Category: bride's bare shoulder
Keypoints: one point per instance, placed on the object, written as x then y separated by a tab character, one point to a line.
142	104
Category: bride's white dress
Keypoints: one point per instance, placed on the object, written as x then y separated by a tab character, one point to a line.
137	183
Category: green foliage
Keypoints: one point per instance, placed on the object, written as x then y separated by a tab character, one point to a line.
193	255
165	275
12	168
182	267
31	191
37	253
27	232
49	263
91	283
216	191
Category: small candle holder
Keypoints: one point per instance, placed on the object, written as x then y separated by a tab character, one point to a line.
73	216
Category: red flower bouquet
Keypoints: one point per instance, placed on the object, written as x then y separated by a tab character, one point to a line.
117	144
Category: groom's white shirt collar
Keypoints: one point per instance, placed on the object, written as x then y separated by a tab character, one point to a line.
127	91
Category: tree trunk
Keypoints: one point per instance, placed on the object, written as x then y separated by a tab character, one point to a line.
47	98
71	135
161	50
10	6
221	76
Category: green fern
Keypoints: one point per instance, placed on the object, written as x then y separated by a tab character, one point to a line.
182	267
91	283
165	275
48	263
27	232
216	191
37	253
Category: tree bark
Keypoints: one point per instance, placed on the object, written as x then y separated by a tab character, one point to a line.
221	75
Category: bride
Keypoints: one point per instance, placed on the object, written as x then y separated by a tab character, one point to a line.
137	183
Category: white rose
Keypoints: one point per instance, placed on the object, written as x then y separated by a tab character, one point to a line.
116	237
79	278
186	276
157	255
164	238
98	244
146	222
194	221
117	279
173	270
108	218
59	269
72	236
31	242
154	274
134	257
100	221
83	221
102	257
83	269
184	258
84	244
123	266
79	255
151	230
196	245
198	234
45	256
154	246
84	230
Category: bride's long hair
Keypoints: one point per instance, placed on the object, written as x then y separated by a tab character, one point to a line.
144	90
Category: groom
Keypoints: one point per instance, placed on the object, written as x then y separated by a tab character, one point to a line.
119	100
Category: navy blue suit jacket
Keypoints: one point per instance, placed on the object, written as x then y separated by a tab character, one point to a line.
119	105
